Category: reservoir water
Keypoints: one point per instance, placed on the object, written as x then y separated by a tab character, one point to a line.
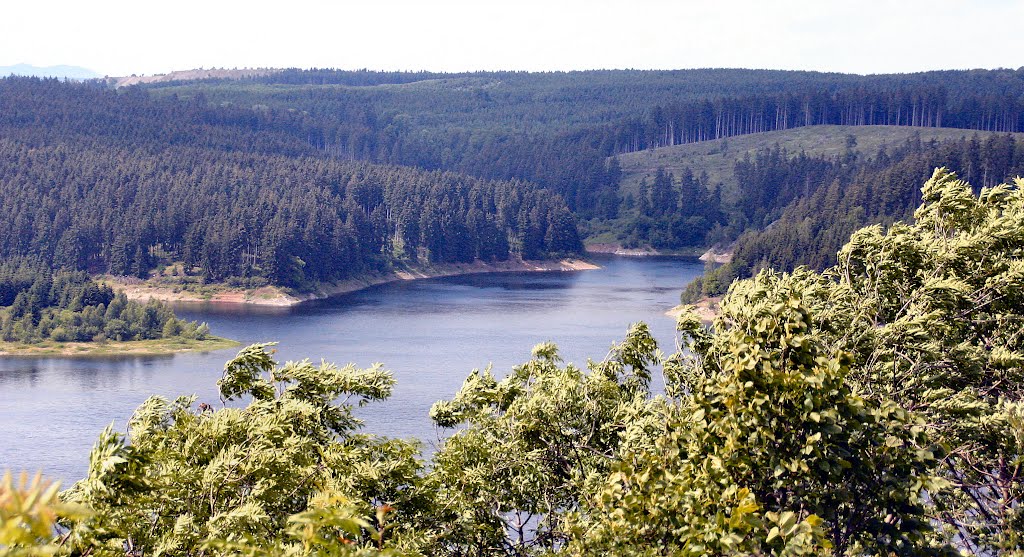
429	333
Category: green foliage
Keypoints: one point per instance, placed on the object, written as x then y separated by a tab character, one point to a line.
331	527
931	315
29	511
767	450
285	469
530	443
933	312
802	209
71	307
882	398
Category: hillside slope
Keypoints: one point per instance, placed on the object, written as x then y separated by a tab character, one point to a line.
717	158
120	183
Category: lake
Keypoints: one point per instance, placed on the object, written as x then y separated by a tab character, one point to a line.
429	333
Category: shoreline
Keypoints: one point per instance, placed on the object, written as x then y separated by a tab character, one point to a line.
706	309
154	347
274	296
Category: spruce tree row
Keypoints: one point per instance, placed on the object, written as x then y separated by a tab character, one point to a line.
288	220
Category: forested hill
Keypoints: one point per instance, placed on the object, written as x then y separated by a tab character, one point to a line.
557	101
49	111
121	183
252	147
558	129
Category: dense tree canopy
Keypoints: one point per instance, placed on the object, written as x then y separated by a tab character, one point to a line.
70	307
121	183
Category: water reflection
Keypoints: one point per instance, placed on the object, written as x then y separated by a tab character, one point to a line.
26	375
214	308
91	372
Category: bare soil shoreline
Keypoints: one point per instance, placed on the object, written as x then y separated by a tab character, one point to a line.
139	290
706	309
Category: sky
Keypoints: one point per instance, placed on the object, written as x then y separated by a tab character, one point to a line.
122	37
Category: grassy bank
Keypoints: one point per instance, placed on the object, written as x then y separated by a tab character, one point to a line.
113	348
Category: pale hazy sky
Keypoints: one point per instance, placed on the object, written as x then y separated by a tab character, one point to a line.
121	37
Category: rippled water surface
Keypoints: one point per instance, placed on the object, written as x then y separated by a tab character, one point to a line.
430	333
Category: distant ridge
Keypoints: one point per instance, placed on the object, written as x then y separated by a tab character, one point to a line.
191	75
62	71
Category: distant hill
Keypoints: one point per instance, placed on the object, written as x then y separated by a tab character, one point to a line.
718	158
69	72
191	75
559	130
